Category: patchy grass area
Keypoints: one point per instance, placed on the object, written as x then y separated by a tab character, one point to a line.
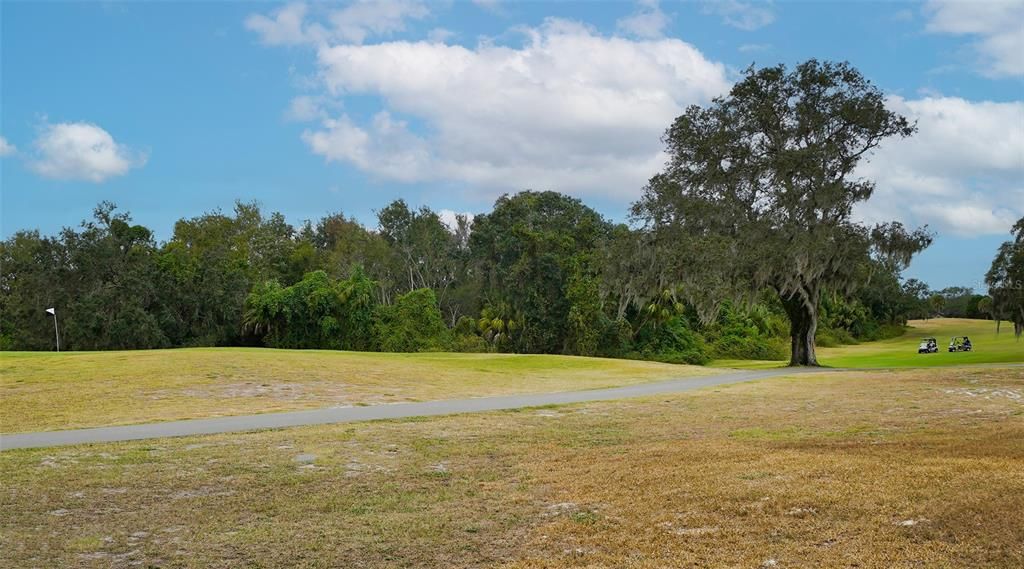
989	347
867	469
49	391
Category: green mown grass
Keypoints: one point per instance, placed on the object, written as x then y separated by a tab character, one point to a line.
989	348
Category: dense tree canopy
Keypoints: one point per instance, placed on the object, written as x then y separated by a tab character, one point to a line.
759	191
746	245
525	252
105	278
543	273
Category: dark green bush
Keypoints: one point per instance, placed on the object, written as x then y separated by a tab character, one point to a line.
315	312
831	337
672	342
469	343
412	324
750	347
756	333
616	339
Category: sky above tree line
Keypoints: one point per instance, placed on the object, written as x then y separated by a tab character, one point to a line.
172	109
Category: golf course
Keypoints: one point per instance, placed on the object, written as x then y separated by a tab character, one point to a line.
809	469
42	391
411	284
990	346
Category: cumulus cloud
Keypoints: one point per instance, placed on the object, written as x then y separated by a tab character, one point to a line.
81	151
450	218
580	112
353	23
648	21
305	108
746	16
440	35
491	5
6	148
386	147
963	172
285	27
569	109
998	26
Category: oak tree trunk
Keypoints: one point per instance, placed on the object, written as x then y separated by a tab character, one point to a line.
802	310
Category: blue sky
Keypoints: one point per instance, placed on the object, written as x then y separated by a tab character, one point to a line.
173	109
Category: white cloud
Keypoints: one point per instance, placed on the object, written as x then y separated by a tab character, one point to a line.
648	21
570	110
286	27
385	148
743	15
81	151
998	25
450	218
6	148
579	112
963	172
375	17
440	35
904	15
969	220
354	23
754	47
490	5
305	108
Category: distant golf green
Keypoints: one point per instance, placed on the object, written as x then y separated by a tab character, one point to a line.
989	347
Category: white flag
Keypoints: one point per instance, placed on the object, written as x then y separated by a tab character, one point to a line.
51	311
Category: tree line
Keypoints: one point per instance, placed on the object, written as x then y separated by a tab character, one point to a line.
743	247
540	273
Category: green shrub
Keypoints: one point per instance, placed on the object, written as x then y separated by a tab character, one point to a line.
756	333
616	339
465	338
831	337
672	342
315	312
586	321
469	343
465	326
887	331
412	324
304	315
749	347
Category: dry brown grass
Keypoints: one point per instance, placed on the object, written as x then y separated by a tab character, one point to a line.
907	469
49	391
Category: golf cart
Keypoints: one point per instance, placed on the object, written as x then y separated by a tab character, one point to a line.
959	344
928	346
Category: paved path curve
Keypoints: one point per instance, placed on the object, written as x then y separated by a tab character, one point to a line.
391	411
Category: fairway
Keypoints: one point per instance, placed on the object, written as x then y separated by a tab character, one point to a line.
901	352
898	469
51	391
989	347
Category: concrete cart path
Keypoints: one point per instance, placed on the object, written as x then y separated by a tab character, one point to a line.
390	411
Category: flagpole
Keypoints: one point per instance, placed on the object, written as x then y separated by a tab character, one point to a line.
56	332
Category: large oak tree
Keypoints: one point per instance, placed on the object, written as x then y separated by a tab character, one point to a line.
1005	281
759	189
